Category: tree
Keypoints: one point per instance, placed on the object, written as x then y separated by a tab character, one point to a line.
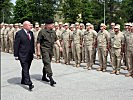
20	11
71	9
86	11
6	11
34	10
127	10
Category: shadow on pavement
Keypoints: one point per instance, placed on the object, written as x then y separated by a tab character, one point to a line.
38	77
17	81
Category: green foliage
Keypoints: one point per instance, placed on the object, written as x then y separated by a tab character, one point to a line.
34	10
87	11
127	10
93	11
71	9
118	11
6	9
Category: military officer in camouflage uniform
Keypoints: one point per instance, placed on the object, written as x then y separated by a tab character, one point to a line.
89	42
65	37
129	51
111	31
16	28
61	29
95	47
82	28
77	38
71	42
11	38
102	43
2	37
21	26
56	46
125	31
6	38
116	43
32	28
35	33
45	42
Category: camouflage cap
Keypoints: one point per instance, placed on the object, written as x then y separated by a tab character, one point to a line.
60	23
76	23
112	24
66	24
102	24
117	27
16	24
36	25
56	24
88	24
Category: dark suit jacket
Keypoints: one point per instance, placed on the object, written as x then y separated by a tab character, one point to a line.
23	47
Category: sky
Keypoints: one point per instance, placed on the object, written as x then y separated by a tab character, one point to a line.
13	1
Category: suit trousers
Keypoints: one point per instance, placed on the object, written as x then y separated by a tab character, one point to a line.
25	72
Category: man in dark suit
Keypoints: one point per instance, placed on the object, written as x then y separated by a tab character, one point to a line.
24	50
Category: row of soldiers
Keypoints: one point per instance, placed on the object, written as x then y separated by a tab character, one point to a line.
81	42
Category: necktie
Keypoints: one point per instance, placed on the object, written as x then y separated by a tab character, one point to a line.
29	37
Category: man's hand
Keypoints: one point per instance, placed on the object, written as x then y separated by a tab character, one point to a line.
16	58
34	55
38	57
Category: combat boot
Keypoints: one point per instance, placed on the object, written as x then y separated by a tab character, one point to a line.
52	82
113	72
117	72
99	69
128	75
104	70
78	65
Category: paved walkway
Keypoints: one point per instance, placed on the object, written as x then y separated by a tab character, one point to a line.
72	83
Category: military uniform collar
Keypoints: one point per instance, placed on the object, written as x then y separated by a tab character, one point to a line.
49	31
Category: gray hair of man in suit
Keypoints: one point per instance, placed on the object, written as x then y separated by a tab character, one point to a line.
27	25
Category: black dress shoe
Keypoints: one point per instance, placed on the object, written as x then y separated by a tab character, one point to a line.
52	82
45	79
23	83
31	87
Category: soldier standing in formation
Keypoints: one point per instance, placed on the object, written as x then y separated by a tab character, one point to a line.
89	42
2	37
71	42
102	45
129	50
116	43
82	28
11	38
56	46
6	49
65	38
111	31
77	38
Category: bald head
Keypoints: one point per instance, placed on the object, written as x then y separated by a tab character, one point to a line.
27	25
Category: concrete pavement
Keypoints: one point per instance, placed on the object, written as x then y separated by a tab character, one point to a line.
72	83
